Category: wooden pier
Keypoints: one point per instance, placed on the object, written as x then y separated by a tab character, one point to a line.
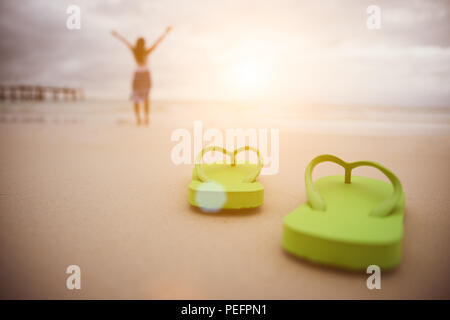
39	93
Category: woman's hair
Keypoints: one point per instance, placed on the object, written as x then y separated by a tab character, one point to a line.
139	51
140	43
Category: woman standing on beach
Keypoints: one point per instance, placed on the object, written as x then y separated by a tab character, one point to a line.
142	81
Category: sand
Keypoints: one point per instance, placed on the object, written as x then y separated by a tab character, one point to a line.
108	198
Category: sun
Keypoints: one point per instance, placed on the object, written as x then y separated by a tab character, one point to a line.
249	77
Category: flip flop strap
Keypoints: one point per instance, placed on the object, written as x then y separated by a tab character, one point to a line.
317	202
250	178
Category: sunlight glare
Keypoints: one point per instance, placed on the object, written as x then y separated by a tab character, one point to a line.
250	77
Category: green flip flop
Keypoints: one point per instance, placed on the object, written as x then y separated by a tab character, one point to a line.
349	222
219	186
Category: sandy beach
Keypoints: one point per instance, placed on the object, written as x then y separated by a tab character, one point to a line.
106	196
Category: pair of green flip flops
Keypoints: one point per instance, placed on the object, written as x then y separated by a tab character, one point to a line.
348	221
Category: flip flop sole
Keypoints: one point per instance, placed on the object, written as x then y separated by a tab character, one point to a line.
345	234
225	190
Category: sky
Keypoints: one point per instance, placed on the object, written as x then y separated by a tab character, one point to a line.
232	50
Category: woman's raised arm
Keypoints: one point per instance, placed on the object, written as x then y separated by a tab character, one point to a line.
160	39
118	36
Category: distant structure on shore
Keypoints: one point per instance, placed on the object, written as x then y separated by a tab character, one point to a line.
39	93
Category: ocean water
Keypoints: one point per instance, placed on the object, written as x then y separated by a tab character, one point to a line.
311	118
